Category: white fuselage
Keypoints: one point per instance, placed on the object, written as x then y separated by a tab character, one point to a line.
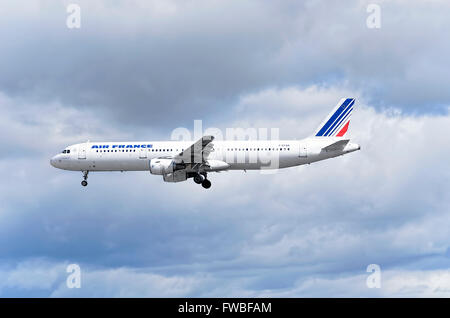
239	155
177	161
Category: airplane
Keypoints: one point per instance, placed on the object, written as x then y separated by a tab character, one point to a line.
177	161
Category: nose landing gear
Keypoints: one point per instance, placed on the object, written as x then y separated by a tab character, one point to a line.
85	176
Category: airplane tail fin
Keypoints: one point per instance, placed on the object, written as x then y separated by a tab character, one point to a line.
336	123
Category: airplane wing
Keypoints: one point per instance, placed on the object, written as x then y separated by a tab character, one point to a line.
338	145
198	152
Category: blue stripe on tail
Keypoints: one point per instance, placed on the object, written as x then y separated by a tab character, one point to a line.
339	120
333	118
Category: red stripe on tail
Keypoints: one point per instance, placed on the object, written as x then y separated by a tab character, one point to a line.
343	130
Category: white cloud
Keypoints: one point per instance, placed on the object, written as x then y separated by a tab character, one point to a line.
33	274
126	282
50	278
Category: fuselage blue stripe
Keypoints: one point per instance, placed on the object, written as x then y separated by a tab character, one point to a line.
336	122
334	116
343	119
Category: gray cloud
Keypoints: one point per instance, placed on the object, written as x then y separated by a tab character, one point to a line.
150	63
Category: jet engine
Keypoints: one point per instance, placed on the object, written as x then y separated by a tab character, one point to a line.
161	166
164	166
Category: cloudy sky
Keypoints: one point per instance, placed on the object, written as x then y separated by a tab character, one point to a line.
136	70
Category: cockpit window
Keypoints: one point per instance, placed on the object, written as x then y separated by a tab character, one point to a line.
63	151
66	151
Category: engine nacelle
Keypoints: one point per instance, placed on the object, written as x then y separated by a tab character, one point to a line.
161	166
176	176
216	165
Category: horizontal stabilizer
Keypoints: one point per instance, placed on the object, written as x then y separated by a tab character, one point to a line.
338	145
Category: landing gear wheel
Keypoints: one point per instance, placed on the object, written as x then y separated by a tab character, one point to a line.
198	179
85	176
206	184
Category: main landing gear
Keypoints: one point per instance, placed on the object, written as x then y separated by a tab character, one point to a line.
200	178
206	184
85	175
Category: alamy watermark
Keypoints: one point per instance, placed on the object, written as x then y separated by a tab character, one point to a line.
74	278
374	279
73	20
264	154
373	20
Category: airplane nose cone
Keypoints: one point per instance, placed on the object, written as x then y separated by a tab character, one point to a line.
53	162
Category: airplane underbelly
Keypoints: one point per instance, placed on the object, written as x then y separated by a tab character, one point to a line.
110	164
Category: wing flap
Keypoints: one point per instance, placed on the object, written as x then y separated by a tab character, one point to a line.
197	152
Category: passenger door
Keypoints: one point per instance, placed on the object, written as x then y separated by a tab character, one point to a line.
143	153
82	152
303	150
